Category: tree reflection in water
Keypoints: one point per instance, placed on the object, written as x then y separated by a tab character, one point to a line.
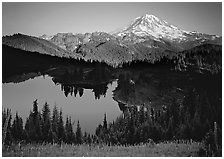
74	79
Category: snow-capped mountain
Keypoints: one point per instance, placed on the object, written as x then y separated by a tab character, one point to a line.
147	38
147	28
150	26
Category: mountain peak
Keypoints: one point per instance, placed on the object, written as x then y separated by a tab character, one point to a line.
151	16
150	25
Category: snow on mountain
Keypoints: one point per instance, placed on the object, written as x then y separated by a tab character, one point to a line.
153	26
149	31
46	37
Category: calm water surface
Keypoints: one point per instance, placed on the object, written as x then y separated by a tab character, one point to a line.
90	111
87	92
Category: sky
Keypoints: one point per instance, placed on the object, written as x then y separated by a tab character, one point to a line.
38	18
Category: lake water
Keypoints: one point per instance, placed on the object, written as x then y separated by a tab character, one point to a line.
90	111
88	91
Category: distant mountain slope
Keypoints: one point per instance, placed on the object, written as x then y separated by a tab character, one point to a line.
34	44
147	38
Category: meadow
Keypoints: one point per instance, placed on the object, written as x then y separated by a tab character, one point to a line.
169	149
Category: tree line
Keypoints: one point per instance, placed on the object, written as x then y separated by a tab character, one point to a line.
192	120
42	127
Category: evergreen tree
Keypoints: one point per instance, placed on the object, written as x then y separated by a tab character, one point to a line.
78	134
55	121
69	131
30	128
105	130
89	139
81	91
85	138
6	127
105	122
37	122
61	133
142	115
131	130
17	128
33	124
27	128
46	127
99	130
75	91
4	116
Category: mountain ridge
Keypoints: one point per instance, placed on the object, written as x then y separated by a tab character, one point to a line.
147	38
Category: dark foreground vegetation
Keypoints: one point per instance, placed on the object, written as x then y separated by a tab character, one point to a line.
183	126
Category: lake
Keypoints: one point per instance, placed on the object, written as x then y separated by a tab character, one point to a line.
90	111
88	91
